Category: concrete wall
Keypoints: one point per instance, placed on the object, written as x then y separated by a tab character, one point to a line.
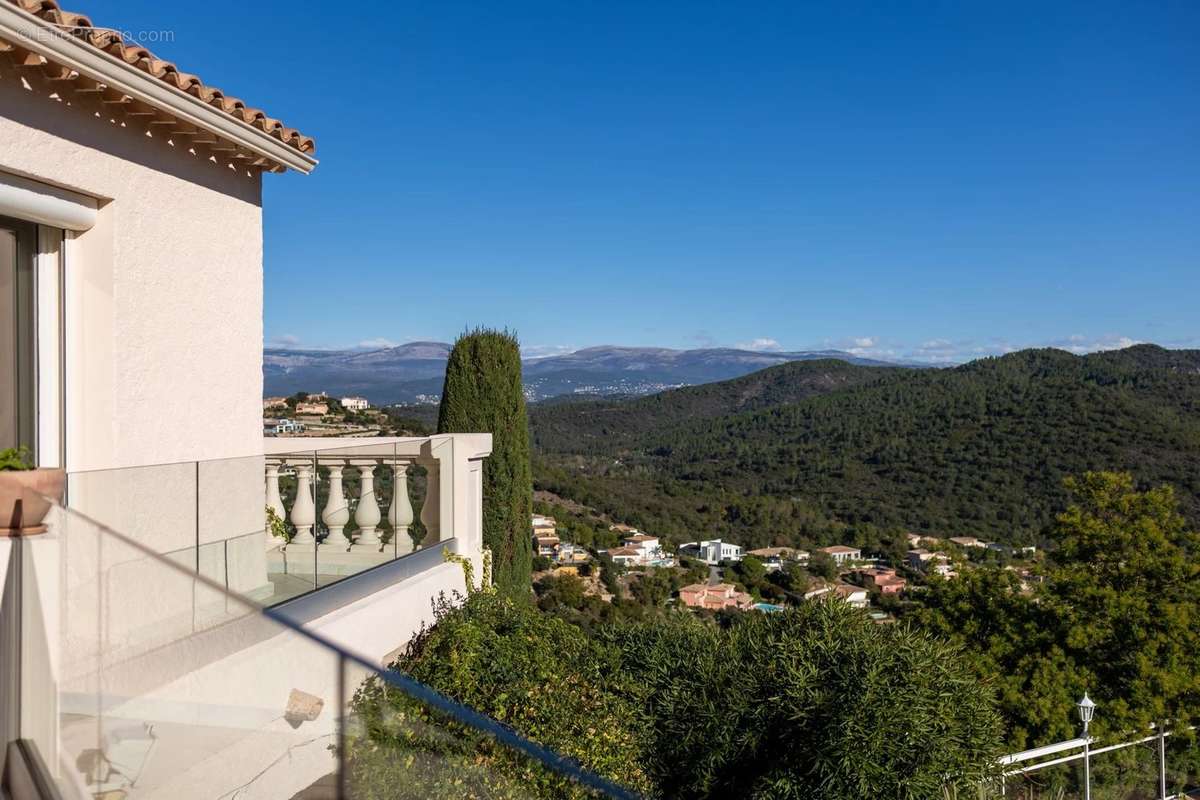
163	294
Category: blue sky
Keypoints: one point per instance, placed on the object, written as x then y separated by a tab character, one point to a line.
931	181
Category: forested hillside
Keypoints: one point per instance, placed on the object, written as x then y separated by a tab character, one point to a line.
812	452
609	426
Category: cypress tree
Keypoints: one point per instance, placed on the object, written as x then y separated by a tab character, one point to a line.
483	393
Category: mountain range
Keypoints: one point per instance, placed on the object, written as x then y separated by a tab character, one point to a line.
413	372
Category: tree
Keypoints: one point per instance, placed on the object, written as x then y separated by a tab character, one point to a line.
753	571
483	393
1125	577
1115	617
823	566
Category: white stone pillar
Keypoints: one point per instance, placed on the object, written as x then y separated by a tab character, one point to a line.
431	509
400	512
336	513
367	514
275	503
304	511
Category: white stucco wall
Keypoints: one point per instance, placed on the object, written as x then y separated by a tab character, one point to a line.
163	295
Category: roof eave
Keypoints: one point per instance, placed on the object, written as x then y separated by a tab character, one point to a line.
38	36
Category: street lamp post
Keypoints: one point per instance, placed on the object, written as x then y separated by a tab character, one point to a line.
1086	710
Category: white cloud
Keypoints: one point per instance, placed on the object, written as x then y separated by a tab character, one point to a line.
378	343
865	341
949	351
283	340
763	343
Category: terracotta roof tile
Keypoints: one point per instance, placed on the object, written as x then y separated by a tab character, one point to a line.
109	41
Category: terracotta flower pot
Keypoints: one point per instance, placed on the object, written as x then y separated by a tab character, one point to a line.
23	503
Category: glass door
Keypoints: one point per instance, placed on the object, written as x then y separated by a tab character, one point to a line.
18	395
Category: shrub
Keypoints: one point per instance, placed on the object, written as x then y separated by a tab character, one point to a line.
483	393
500	656
817	702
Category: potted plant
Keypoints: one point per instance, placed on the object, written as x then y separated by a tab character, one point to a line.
26	492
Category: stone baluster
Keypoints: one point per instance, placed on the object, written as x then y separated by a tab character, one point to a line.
274	502
366	515
400	512
304	511
431	509
336	513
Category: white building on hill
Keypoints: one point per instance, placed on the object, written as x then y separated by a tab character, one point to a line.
711	551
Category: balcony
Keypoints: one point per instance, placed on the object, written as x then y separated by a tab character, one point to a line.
130	674
196	654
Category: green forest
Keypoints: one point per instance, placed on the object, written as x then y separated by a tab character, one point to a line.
809	453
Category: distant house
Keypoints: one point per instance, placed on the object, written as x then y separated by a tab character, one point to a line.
854	595
773	558
649	548
644	542
931	563
968	541
627	556
288	426
355	403
274	402
884	579
568	553
914	539
714	598
918	557
546	546
817	589
544	526
840	553
621	528
711	551
312	408
944	568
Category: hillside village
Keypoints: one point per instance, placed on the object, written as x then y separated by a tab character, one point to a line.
319	414
620	565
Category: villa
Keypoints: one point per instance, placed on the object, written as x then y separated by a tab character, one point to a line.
131	247
715	597
711	551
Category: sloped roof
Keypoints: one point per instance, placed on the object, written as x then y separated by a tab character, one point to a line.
111	42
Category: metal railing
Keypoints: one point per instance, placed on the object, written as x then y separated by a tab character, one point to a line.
1163	765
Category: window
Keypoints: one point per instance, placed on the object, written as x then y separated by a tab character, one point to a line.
18	394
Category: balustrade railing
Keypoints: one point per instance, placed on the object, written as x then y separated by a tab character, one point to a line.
293	520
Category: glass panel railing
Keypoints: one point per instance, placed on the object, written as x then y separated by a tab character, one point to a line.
278	526
144	678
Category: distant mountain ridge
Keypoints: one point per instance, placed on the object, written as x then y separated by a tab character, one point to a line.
413	372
